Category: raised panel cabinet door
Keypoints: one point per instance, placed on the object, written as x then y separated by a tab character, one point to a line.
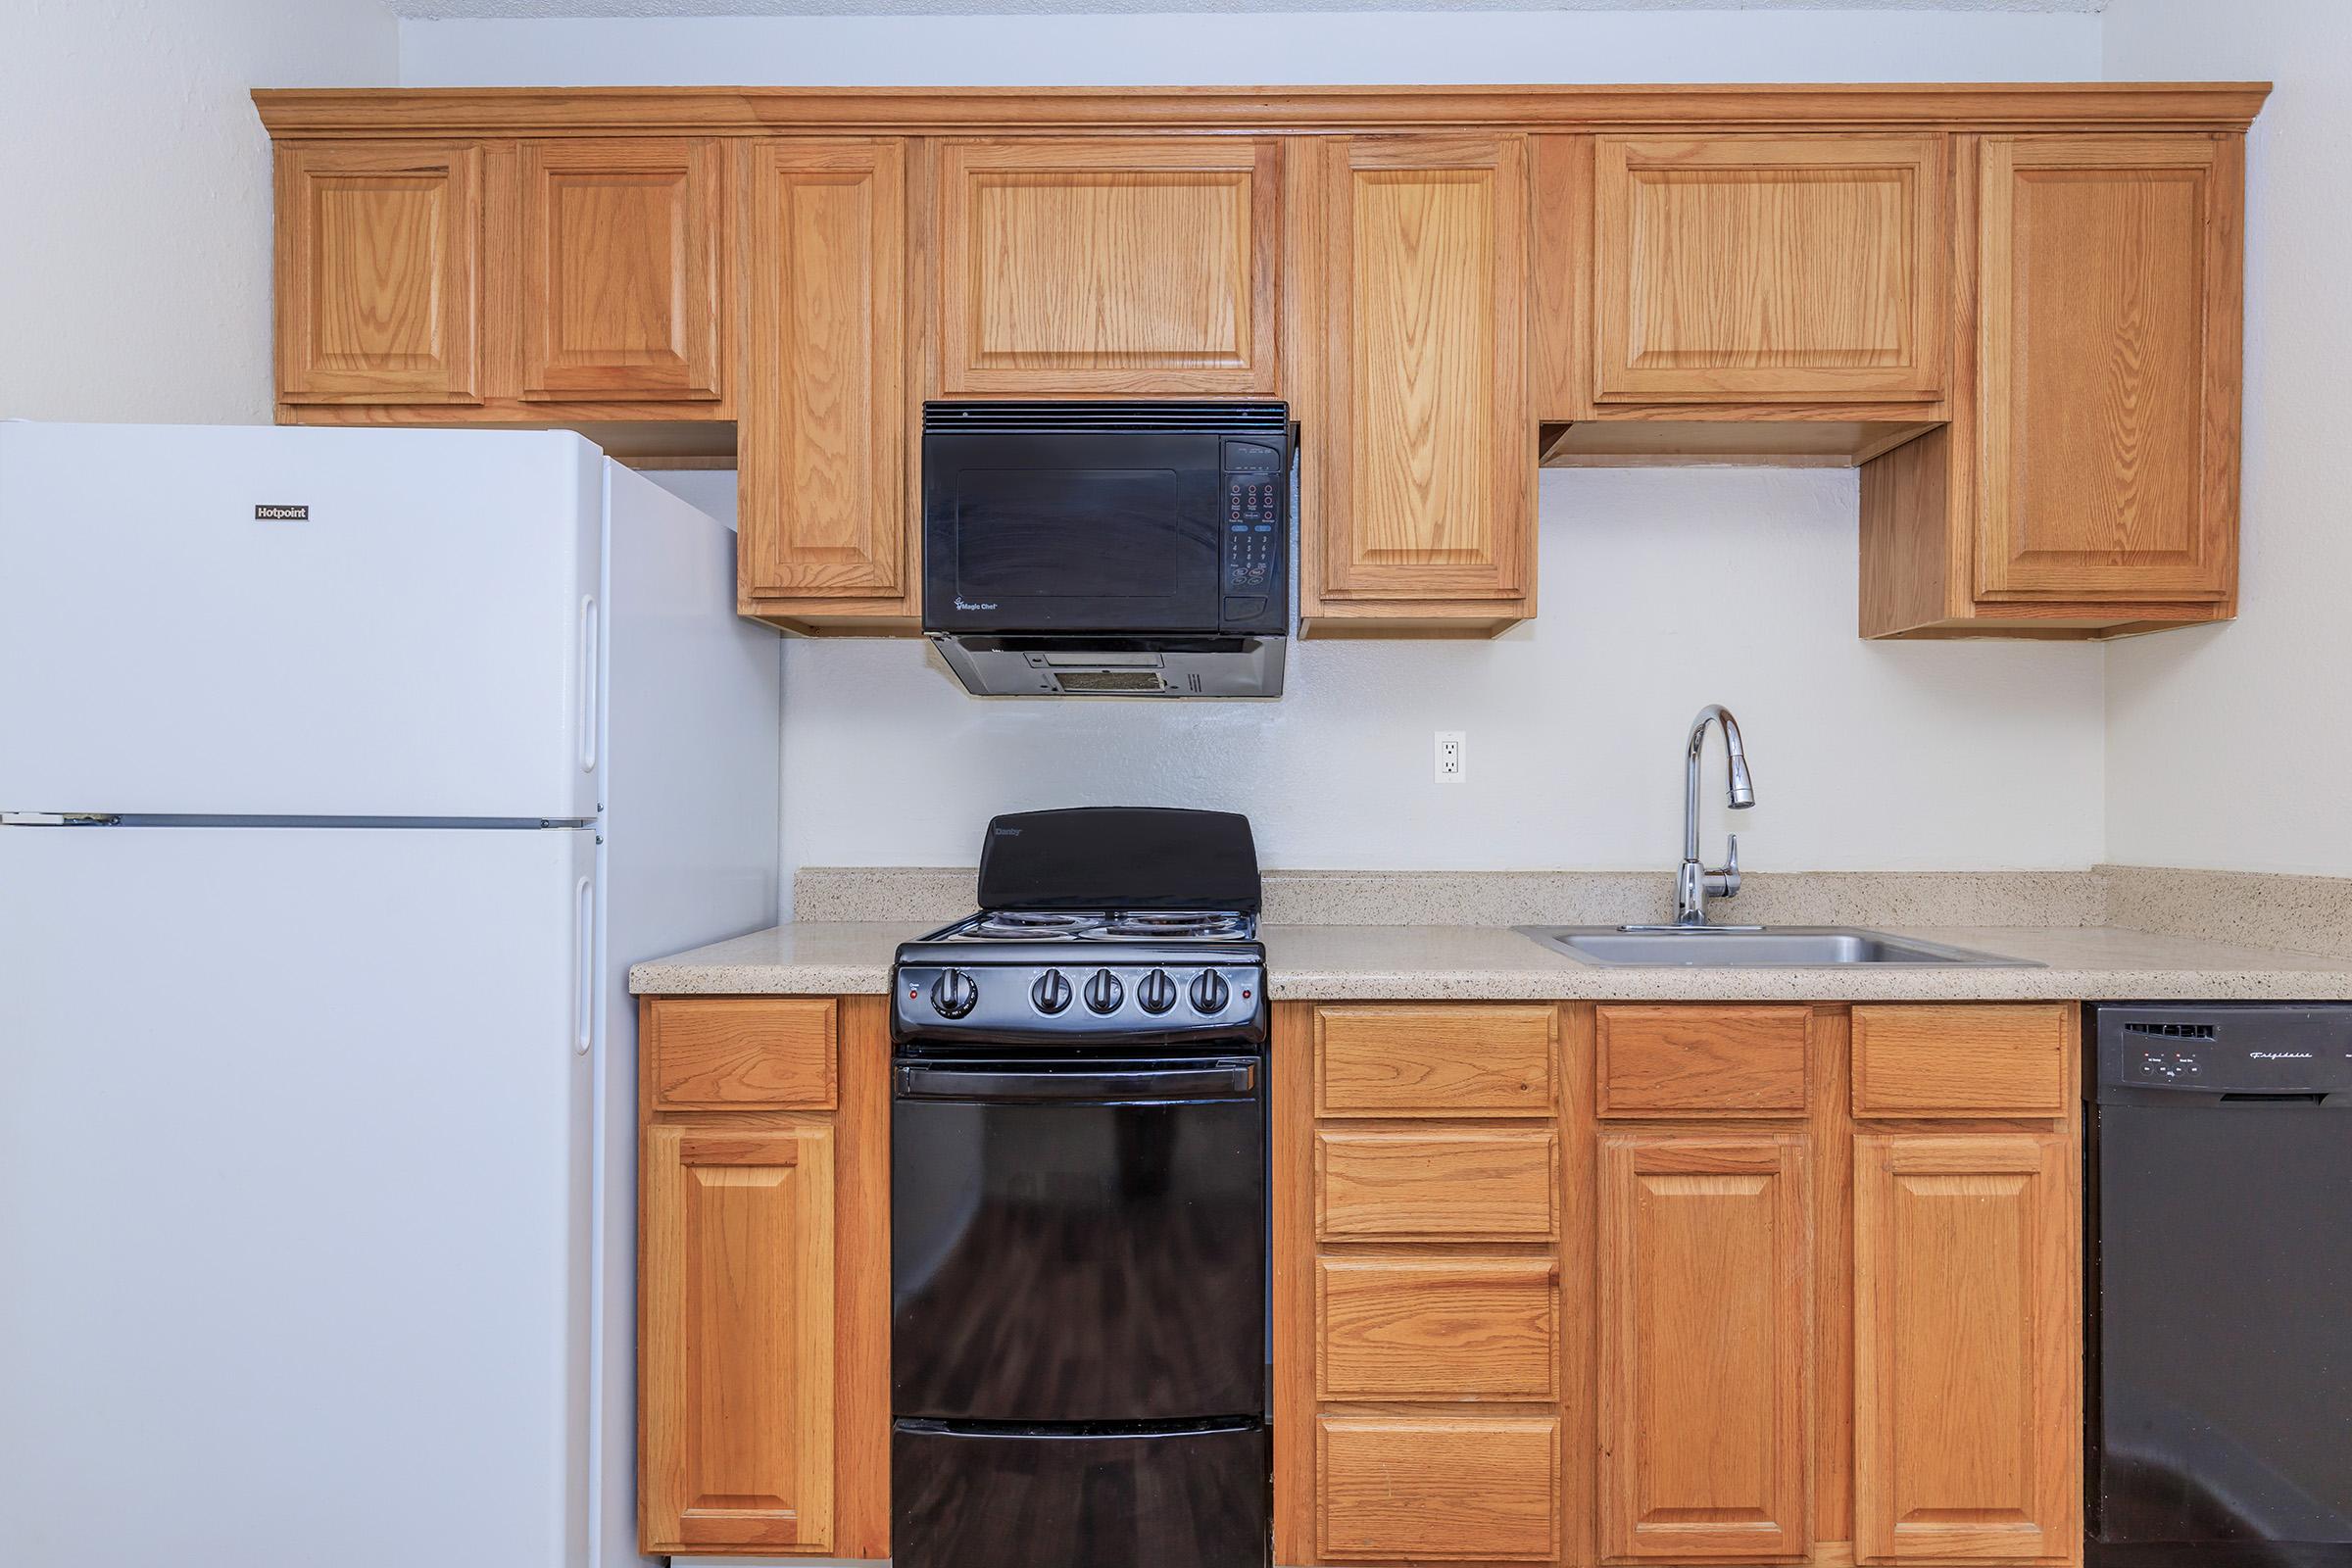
1753	268
1393	1488
1139	265
823	479
623	269
736	1337
380	272
1429	446
2108	354
1967	1347
1704	1322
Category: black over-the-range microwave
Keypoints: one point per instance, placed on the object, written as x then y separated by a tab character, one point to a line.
1109	548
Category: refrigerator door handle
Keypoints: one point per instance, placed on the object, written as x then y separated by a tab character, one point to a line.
583	959
589	671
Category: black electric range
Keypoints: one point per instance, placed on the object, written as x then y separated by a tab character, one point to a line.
1078	1199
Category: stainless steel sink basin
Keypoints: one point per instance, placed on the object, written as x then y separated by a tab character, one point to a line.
1755	947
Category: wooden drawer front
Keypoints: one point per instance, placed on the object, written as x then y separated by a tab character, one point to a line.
1447	1488
740	1053
1434	1060
1468	1184
1962	1060
1436	1328
1702	1062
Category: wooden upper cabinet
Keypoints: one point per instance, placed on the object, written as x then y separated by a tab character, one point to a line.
1968	1436
737	1339
1143	265
380	272
823	496
625	269
2108	345
1427	472
1762	268
1704	1321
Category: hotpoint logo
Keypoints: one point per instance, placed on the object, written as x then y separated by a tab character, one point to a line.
266	513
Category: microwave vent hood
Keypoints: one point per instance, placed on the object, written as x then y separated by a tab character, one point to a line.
1138	667
1110	548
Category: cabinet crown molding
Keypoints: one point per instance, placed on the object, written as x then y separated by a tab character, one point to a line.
376	113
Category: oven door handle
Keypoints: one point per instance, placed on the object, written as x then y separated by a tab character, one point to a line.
1099	1082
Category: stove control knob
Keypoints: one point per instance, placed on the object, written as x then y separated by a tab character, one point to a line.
1155	991
1050	993
1210	993
1104	993
955	994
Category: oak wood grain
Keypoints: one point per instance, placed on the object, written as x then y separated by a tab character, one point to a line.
1141	267
1445	1488
1694	1059
824	513
738	1053
1439	1184
1752	269
1964	1060
329	113
2107	343
379	262
1452	1327
1968	1362
1704	1344
736	1332
1429	467
1425	1059
625	269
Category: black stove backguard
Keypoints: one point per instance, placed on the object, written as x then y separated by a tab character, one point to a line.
1120	857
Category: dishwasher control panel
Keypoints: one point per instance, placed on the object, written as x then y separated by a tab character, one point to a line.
2246	1049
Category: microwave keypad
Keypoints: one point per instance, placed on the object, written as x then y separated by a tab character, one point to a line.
1253	531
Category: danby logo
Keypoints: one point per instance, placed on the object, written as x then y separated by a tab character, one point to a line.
281	514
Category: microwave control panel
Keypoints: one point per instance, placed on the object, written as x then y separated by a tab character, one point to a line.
1256	531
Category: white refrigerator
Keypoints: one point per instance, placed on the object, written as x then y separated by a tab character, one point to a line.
343	773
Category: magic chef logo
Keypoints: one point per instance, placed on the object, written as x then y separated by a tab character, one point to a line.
963	603
263	513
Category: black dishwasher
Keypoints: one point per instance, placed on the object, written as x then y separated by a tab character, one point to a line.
2220	1344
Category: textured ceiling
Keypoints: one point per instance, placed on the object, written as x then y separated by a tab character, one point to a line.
438	9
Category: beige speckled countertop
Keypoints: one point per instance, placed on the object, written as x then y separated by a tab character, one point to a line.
1322	962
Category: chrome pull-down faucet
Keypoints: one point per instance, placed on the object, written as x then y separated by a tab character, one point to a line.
1694	883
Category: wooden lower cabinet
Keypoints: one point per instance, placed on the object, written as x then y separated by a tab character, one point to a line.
1968	1365
1636	1286
764	1276
738	1338
1703	1317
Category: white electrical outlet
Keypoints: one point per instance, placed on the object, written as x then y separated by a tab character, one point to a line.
1453	761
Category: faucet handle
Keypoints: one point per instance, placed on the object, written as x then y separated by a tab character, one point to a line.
1724	883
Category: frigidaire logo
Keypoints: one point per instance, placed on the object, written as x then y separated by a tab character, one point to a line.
281	514
2277	1056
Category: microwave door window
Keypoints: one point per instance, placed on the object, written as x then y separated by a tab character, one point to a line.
1083	548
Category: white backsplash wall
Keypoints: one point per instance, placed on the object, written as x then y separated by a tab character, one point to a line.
1660	590
2231	747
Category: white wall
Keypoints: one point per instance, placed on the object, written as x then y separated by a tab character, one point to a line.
2231	747
1660	590
1504	46
134	259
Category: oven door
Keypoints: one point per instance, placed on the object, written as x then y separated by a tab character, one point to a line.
1070	531
1078	1239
